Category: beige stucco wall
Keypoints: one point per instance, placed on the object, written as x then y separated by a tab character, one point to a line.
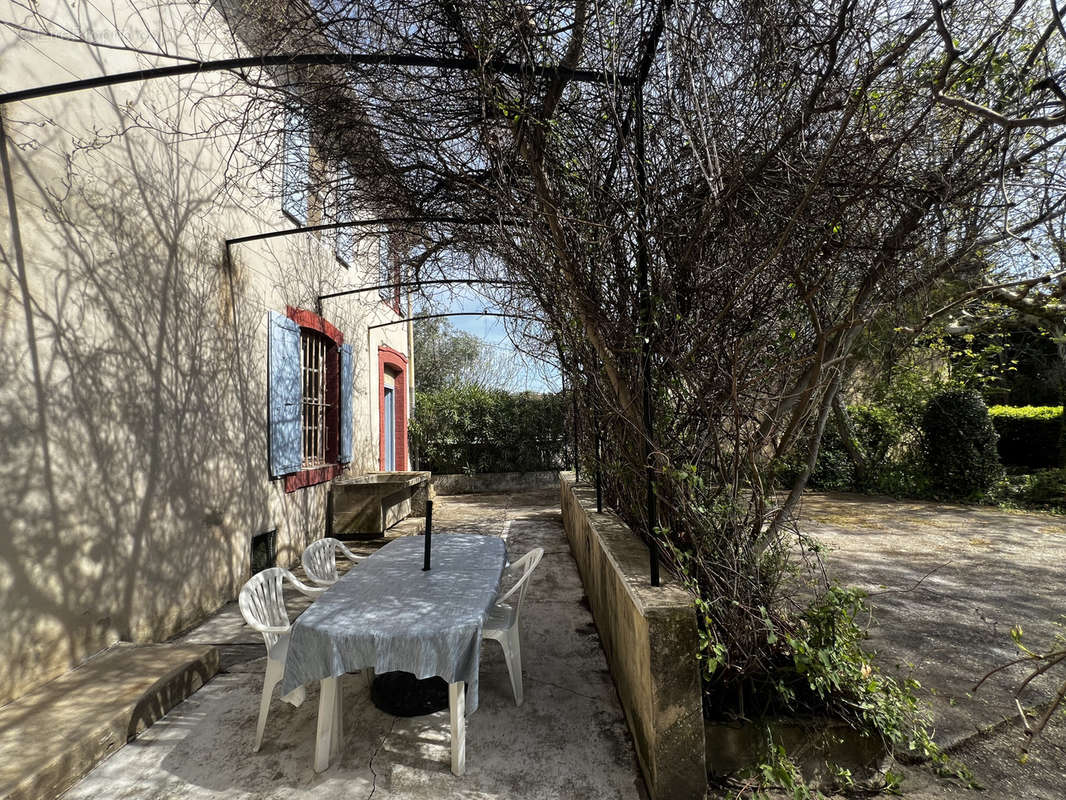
133	439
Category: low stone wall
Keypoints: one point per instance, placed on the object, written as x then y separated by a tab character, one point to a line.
649	635
492	482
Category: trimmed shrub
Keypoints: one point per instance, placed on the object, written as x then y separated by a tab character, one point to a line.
466	429
1029	436
959	445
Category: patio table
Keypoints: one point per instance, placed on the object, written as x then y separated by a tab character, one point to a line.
388	614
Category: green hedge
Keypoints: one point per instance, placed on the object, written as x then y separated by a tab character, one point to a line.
1029	436
466	429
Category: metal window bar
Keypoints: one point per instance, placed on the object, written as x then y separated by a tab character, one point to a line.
313	408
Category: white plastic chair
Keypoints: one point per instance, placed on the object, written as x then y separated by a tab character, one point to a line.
263	607
320	560
502	621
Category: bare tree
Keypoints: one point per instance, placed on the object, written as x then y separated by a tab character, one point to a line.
705	204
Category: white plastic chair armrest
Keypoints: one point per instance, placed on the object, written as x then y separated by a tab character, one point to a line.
268	628
303	588
348	554
500	600
526	575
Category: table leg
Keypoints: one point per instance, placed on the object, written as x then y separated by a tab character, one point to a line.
328	695
457	709
338	720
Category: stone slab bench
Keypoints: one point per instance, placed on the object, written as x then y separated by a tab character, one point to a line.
53	736
365	506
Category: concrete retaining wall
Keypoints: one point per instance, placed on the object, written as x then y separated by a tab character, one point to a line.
649	635
490	482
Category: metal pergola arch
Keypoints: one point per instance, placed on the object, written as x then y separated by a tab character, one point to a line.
460	64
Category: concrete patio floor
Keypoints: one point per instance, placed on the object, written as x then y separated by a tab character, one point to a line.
568	740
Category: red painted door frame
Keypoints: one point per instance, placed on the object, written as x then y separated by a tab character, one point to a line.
396	362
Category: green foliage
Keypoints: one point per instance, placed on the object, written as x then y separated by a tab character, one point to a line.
447	357
469	429
889	437
781	772
880	431
1028	435
881	434
823	667
830	664
1044	489
834	470
959	445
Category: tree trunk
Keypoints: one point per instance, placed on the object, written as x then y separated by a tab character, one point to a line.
850	440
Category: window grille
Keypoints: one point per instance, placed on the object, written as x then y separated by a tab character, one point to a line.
314	406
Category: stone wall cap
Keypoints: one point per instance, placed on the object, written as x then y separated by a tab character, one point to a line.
629	554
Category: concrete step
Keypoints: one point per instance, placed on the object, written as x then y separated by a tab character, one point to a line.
52	737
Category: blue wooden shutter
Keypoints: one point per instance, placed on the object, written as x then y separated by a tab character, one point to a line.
296	169
347	375
284	395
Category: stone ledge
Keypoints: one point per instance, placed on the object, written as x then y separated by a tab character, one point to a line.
366	506
494	482
52	737
650	638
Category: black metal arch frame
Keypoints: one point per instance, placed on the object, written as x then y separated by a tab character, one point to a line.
461	64
454	314
319	59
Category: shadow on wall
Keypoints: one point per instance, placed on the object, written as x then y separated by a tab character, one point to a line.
132	411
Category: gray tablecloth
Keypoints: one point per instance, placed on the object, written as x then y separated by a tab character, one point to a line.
388	614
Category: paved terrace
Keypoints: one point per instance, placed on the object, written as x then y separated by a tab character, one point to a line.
568	740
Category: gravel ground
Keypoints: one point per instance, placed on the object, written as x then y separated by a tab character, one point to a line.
947	583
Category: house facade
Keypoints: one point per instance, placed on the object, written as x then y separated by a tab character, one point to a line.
172	405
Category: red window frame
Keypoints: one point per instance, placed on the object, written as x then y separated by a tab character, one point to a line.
310	477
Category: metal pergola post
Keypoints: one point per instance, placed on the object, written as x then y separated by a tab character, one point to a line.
643	266
599	471
577	435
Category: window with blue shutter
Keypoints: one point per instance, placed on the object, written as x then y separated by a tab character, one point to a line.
310	398
296	168
347	378
283	359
